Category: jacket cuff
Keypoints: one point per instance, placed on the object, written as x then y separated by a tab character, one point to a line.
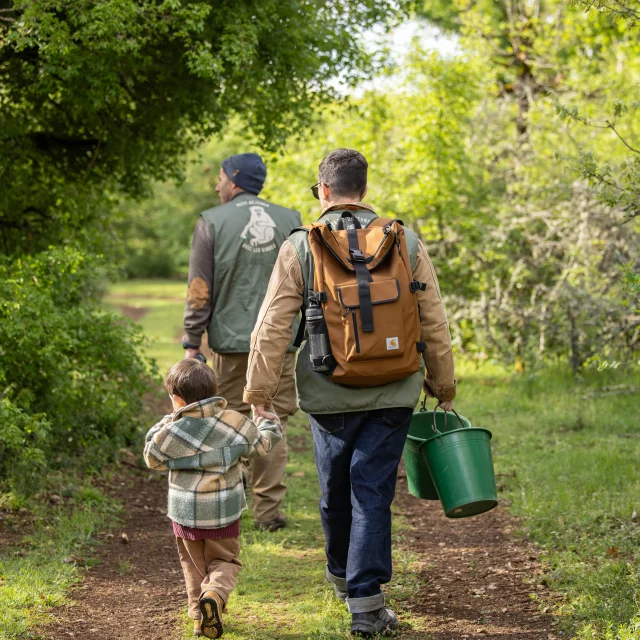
256	397
443	394
448	393
190	338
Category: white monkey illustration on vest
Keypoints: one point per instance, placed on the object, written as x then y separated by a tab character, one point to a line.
260	226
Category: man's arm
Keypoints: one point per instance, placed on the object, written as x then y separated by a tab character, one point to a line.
199	305
274	328
434	332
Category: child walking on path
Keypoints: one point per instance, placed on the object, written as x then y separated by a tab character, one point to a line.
201	444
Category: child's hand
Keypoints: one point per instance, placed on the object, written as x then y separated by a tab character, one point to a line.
264	411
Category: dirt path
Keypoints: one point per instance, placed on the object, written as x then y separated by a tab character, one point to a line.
477	578
472	572
118	598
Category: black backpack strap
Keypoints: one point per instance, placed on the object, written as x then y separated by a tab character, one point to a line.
347	214
384	222
301	330
362	277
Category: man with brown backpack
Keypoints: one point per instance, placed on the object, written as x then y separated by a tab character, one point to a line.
373	313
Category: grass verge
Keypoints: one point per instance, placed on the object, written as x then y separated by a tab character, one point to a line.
156	305
568	451
38	568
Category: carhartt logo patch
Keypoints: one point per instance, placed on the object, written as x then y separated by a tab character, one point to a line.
392	343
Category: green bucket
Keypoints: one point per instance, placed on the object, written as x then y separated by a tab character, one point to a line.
421	429
461	468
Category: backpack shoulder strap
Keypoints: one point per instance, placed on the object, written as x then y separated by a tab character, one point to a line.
383	222
307	228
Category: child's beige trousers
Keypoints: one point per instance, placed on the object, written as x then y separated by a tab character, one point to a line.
209	565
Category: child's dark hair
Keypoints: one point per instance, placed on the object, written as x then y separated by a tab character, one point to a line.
192	380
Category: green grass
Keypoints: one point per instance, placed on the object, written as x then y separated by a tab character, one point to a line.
576	485
162	325
575	488
575	455
37	571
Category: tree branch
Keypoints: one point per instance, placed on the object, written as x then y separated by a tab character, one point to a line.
626	144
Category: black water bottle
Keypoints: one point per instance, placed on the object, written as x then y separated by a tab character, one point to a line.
318	338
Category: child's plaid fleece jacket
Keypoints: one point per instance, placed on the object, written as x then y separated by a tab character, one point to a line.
201	445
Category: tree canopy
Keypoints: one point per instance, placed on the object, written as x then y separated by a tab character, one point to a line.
482	163
99	97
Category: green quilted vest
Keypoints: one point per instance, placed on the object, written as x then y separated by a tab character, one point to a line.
247	233
316	393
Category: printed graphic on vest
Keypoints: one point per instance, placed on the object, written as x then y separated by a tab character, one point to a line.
259	231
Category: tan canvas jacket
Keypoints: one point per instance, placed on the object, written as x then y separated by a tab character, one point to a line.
273	331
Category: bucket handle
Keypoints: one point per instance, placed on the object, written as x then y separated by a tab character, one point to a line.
434	428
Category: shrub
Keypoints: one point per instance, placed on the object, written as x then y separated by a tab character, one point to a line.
71	375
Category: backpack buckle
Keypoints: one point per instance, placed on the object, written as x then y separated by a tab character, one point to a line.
318	297
358	256
416	285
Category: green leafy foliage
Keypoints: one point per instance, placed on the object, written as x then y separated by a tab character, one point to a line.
101	97
529	259
97	100
71	375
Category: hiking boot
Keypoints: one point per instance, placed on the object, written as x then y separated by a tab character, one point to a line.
197	630
279	523
382	621
340	594
211	606
339	585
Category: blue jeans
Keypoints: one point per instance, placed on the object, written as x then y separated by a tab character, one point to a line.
357	456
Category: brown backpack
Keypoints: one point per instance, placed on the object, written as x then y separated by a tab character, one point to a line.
362	317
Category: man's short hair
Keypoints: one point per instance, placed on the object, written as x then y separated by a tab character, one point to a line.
344	171
192	380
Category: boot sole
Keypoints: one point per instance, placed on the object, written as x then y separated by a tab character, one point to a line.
372	633
211	620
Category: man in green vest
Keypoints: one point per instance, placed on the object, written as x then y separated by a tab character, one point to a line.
359	433
233	252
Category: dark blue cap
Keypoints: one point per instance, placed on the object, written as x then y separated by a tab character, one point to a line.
247	170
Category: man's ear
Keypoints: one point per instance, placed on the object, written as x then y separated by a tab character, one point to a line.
326	192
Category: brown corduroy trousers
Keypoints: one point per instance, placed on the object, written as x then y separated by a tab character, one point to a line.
266	474
209	565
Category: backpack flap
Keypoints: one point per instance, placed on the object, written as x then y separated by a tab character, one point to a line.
382	291
374	242
388	340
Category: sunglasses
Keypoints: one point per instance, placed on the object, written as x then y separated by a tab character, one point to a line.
314	190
